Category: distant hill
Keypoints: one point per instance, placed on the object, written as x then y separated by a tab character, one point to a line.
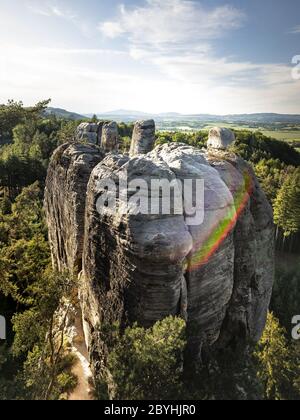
128	116
125	112
265	118
131	116
62	113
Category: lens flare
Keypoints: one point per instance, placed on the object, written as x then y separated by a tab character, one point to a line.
224	227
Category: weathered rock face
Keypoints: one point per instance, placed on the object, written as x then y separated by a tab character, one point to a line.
68	175
143	138
217	274
254	250
110	137
104	134
220	138
89	132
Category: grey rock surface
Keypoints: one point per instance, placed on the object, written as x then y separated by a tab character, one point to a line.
89	132
110	137
220	138
254	250
68	174
143	138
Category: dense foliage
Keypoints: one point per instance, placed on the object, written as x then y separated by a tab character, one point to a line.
278	363
133	356
32	294
287	204
33	362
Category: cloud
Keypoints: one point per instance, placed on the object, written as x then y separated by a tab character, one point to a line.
111	29
213	70
178	38
85	80
171	23
170	63
96	80
296	30
52	10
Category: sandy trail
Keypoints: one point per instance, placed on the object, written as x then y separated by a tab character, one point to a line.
83	391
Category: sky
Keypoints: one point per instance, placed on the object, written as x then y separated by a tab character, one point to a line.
187	56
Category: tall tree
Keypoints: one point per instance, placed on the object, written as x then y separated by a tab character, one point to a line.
279	366
287	205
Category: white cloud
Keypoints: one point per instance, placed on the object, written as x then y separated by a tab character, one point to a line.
83	80
52	10
95	80
111	29
171	23
178	36
296	30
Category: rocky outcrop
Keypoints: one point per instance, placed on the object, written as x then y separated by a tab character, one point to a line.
254	250
110	137
103	134
216	271
143	138
68	175
89	133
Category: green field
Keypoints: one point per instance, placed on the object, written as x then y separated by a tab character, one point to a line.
279	131
283	135
279	134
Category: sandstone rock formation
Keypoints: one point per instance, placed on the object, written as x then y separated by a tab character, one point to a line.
254	250
220	138
68	175
218	274
110	137
89	132
143	138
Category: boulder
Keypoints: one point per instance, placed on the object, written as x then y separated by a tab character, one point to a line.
220	138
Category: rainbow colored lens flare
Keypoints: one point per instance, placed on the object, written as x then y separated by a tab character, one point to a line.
224	227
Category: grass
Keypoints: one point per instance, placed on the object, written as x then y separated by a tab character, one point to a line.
283	135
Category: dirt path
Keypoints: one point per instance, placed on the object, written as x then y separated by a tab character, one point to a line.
83	391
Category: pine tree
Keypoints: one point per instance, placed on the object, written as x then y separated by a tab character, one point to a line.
279	366
287	205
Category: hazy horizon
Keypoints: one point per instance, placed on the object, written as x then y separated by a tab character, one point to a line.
136	111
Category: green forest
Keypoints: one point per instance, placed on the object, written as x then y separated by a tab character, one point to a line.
35	361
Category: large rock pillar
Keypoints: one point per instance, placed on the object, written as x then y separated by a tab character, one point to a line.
143	138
